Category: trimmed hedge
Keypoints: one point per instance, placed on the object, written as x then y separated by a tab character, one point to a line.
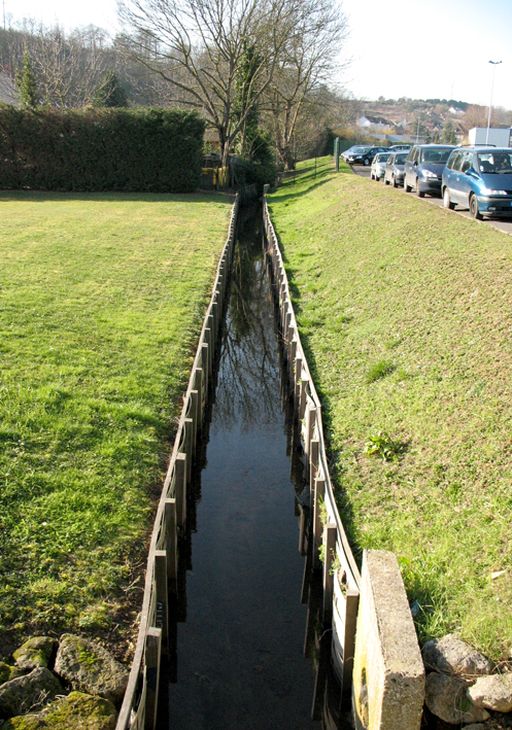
100	149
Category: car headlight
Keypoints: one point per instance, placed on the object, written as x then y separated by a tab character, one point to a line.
429	175
490	191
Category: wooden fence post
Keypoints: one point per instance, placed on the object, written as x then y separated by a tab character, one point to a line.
314	455
180	467
317	519
172	542
329	539
204	367
198	386
188	425
152	654
162	597
195	415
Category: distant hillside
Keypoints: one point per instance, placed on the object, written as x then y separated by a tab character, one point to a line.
431	120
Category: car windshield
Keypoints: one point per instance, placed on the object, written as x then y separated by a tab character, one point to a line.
382	156
357	150
497	163
400	159
436	156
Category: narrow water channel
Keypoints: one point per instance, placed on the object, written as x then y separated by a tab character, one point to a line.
240	662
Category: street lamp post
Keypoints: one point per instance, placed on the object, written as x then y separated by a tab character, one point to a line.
494	64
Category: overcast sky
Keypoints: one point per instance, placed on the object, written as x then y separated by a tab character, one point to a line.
414	48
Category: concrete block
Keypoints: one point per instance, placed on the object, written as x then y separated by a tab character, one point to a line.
388	677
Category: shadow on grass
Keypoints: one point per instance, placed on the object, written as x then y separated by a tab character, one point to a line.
333	455
288	193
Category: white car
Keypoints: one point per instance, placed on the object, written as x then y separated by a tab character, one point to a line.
379	165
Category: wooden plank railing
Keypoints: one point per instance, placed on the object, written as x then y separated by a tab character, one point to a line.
140	704
341	577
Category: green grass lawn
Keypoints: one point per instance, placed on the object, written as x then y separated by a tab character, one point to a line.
405	311
101	303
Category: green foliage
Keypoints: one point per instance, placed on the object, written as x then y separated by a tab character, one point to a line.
448	135
261	168
26	83
379	370
151	150
381	444
110	92
244	105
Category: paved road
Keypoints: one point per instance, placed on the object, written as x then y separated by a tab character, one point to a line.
502	225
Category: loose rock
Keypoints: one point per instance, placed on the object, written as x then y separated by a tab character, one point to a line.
446	697
493	692
451	654
29	692
89	667
36	652
77	710
8	672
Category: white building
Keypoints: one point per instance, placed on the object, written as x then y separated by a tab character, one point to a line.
497	136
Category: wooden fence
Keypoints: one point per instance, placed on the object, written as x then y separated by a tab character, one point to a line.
140	704
341	577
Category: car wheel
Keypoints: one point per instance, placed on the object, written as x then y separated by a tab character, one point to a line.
386	182
407	188
395	184
419	191
366	162
473	208
447	203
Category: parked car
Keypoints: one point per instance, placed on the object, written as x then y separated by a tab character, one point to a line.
347	152
479	178
400	147
363	155
424	167
394	170
379	165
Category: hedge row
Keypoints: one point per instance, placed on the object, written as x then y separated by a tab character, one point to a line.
100	149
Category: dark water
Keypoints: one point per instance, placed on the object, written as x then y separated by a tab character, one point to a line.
240	658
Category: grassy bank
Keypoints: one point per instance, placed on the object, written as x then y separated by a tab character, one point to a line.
405	311
101	299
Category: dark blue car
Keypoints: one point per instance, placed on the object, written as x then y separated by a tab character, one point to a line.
479	178
424	167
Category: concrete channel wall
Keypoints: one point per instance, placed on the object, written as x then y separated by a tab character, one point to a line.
140	705
369	616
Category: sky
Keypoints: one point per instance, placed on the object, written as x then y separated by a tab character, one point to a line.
414	48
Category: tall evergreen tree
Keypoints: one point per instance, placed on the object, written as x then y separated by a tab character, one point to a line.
110	92
26	83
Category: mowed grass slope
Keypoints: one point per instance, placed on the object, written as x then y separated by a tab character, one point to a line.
406	312
101	303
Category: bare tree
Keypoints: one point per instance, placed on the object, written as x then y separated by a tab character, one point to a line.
307	61
68	70
198	46
324	109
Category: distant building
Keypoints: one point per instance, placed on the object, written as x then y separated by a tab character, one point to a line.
367	121
8	92
501	137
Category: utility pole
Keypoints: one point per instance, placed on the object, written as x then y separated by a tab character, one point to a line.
494	64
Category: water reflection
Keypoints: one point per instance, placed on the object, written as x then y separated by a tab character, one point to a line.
240	659
246	390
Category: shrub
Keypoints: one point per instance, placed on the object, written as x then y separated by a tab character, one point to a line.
152	150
